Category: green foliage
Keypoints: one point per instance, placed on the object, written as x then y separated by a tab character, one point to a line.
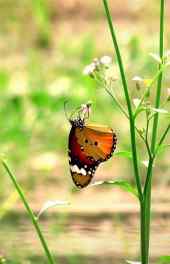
124	185
164	260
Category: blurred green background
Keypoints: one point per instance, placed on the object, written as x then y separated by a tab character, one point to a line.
44	47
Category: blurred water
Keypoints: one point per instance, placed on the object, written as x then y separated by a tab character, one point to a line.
110	239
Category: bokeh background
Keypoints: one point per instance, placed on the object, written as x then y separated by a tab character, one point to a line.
44	47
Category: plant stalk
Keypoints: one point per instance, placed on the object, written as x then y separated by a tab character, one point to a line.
143	234
30	213
127	97
148	183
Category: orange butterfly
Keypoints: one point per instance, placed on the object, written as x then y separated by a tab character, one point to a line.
89	145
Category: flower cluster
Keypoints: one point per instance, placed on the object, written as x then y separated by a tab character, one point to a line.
97	65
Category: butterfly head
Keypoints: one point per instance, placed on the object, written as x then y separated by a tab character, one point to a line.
80	115
78	122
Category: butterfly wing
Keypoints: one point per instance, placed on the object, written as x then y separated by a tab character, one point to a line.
88	147
101	142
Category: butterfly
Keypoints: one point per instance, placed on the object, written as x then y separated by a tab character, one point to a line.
88	146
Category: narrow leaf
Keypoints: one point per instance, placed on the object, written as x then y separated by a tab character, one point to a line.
133	262
50	204
124	185
156	57
159	110
124	153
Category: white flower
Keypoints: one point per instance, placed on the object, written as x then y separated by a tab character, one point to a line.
136	102
89	69
137	79
106	60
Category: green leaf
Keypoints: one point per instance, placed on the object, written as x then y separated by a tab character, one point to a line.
124	185
51	204
164	260
124	153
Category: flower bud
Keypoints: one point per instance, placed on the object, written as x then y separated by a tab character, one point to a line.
106	60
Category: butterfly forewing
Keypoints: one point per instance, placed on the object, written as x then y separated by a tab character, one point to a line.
88	147
97	141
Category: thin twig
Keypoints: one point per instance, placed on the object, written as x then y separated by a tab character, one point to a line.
146	136
162	138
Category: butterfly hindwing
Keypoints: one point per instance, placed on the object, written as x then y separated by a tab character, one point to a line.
82	177
82	167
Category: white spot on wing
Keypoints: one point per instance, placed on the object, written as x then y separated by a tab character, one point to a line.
75	168
83	171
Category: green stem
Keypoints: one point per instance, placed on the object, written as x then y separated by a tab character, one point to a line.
125	87
148	183
30	212
162	138
117	103
143	233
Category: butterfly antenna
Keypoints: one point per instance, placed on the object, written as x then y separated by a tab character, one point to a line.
86	108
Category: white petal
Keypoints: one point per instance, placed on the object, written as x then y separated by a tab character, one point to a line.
106	60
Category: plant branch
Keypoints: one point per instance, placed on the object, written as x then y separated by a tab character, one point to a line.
146	136
124	112
162	138
30	213
160	70
117	103
127	97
